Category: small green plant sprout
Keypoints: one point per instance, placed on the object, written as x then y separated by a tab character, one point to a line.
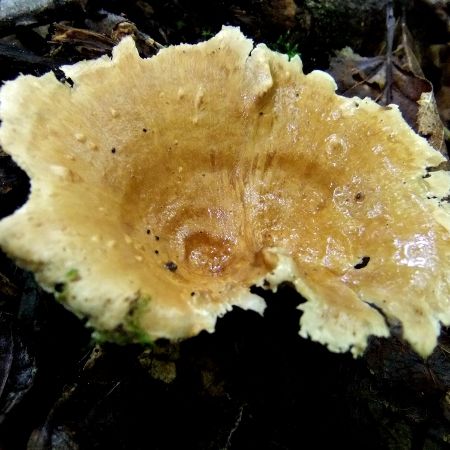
207	33
286	44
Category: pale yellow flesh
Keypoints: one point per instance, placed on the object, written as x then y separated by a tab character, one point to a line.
238	169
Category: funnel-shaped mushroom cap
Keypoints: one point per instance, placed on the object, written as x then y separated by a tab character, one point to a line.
163	188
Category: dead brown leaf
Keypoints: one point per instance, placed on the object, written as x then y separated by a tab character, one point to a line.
362	76
101	39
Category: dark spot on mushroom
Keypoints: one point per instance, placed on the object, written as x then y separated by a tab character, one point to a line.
113	150
61	77
148	231
261	113
192	294
156	252
59	287
156	238
144	130
170	265
359	197
363	263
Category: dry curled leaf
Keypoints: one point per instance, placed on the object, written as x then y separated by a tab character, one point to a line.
102	37
17	366
361	76
85	41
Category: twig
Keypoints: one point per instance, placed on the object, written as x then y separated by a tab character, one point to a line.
390	26
235	427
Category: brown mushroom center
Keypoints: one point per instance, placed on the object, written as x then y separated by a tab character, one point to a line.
214	221
207	253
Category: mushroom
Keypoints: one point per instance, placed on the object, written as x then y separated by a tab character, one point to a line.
162	189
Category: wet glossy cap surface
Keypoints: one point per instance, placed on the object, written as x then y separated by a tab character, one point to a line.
163	188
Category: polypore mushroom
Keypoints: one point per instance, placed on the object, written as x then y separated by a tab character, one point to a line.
163	188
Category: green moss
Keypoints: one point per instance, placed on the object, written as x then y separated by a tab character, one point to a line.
130	331
123	335
60	292
132	321
61	289
72	275
116	336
